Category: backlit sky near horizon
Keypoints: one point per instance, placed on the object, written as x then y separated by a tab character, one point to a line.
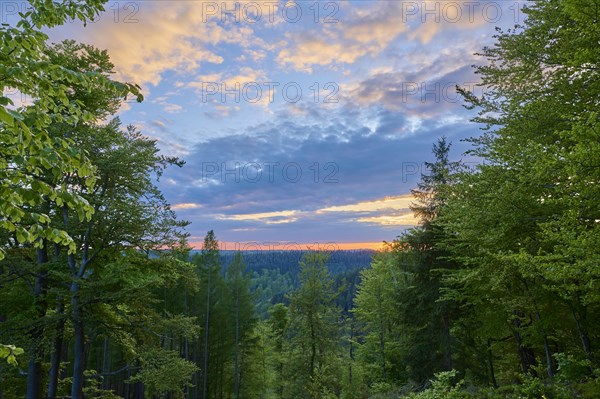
300	122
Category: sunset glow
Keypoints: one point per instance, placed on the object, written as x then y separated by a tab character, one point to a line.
298	121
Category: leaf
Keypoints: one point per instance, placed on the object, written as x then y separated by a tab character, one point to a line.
5	101
10	353
6	118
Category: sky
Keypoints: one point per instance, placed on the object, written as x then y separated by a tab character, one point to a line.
301	123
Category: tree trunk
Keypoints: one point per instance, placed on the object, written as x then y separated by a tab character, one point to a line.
381	338
34	368
163	339
196	391
127	385
78	344
583	334
206	325
351	352
447	343
491	362
237	340
105	363
313	349
195	349
544	335
57	351
242	372
221	372
526	354
187	341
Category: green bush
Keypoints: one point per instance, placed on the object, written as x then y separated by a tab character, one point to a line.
443	387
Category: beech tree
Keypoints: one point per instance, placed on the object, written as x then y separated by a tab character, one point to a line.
124	210
523	223
28	149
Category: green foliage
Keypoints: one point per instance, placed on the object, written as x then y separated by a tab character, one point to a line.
29	151
269	286
85	194
524	224
164	372
376	307
532	388
93	386
499	279
312	367
10	353
409	327
443	386
571	368
497	285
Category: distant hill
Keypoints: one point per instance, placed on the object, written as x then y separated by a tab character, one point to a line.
275	274
340	261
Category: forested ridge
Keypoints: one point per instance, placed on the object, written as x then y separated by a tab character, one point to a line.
493	295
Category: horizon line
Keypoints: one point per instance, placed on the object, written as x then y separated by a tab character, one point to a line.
293	246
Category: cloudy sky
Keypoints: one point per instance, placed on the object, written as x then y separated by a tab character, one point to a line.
301	122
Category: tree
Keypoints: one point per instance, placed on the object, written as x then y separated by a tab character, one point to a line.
126	210
210	261
64	135
314	329
424	315
523	224
376	308
278	323
28	149
164	372
244	320
130	212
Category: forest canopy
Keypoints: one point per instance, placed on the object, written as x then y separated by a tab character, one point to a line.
494	294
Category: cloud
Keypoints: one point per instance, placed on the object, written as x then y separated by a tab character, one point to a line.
377	27
388	211
154	37
245	75
161	131
161	125
353	184
172	108
187	205
221	111
200	81
399	202
307	170
278	217
406	219
309	51
423	88
245	85
370	28
365	29
163	102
